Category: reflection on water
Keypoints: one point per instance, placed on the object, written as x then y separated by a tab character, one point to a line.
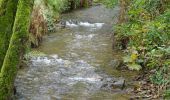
75	61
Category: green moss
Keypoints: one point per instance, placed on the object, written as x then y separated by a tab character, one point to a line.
6	26
16	48
2	6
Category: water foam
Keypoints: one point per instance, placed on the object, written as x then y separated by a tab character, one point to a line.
84	24
71	24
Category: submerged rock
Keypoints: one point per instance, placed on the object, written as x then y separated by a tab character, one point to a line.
116	64
113	83
119	84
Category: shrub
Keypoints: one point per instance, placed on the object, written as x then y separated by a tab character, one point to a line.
145	30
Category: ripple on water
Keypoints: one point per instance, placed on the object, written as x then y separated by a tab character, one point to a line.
59	79
86	37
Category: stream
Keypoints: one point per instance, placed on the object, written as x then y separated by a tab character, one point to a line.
77	61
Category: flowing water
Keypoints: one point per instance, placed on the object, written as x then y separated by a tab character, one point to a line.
78	61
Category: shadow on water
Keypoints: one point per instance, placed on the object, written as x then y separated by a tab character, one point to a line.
78	61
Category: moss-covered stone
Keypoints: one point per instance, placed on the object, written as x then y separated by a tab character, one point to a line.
8	12
16	48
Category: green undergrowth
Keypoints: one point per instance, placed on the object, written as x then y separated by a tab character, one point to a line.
147	32
143	33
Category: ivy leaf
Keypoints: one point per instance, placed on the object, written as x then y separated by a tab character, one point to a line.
134	56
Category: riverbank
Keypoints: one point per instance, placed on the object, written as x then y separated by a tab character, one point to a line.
142	32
